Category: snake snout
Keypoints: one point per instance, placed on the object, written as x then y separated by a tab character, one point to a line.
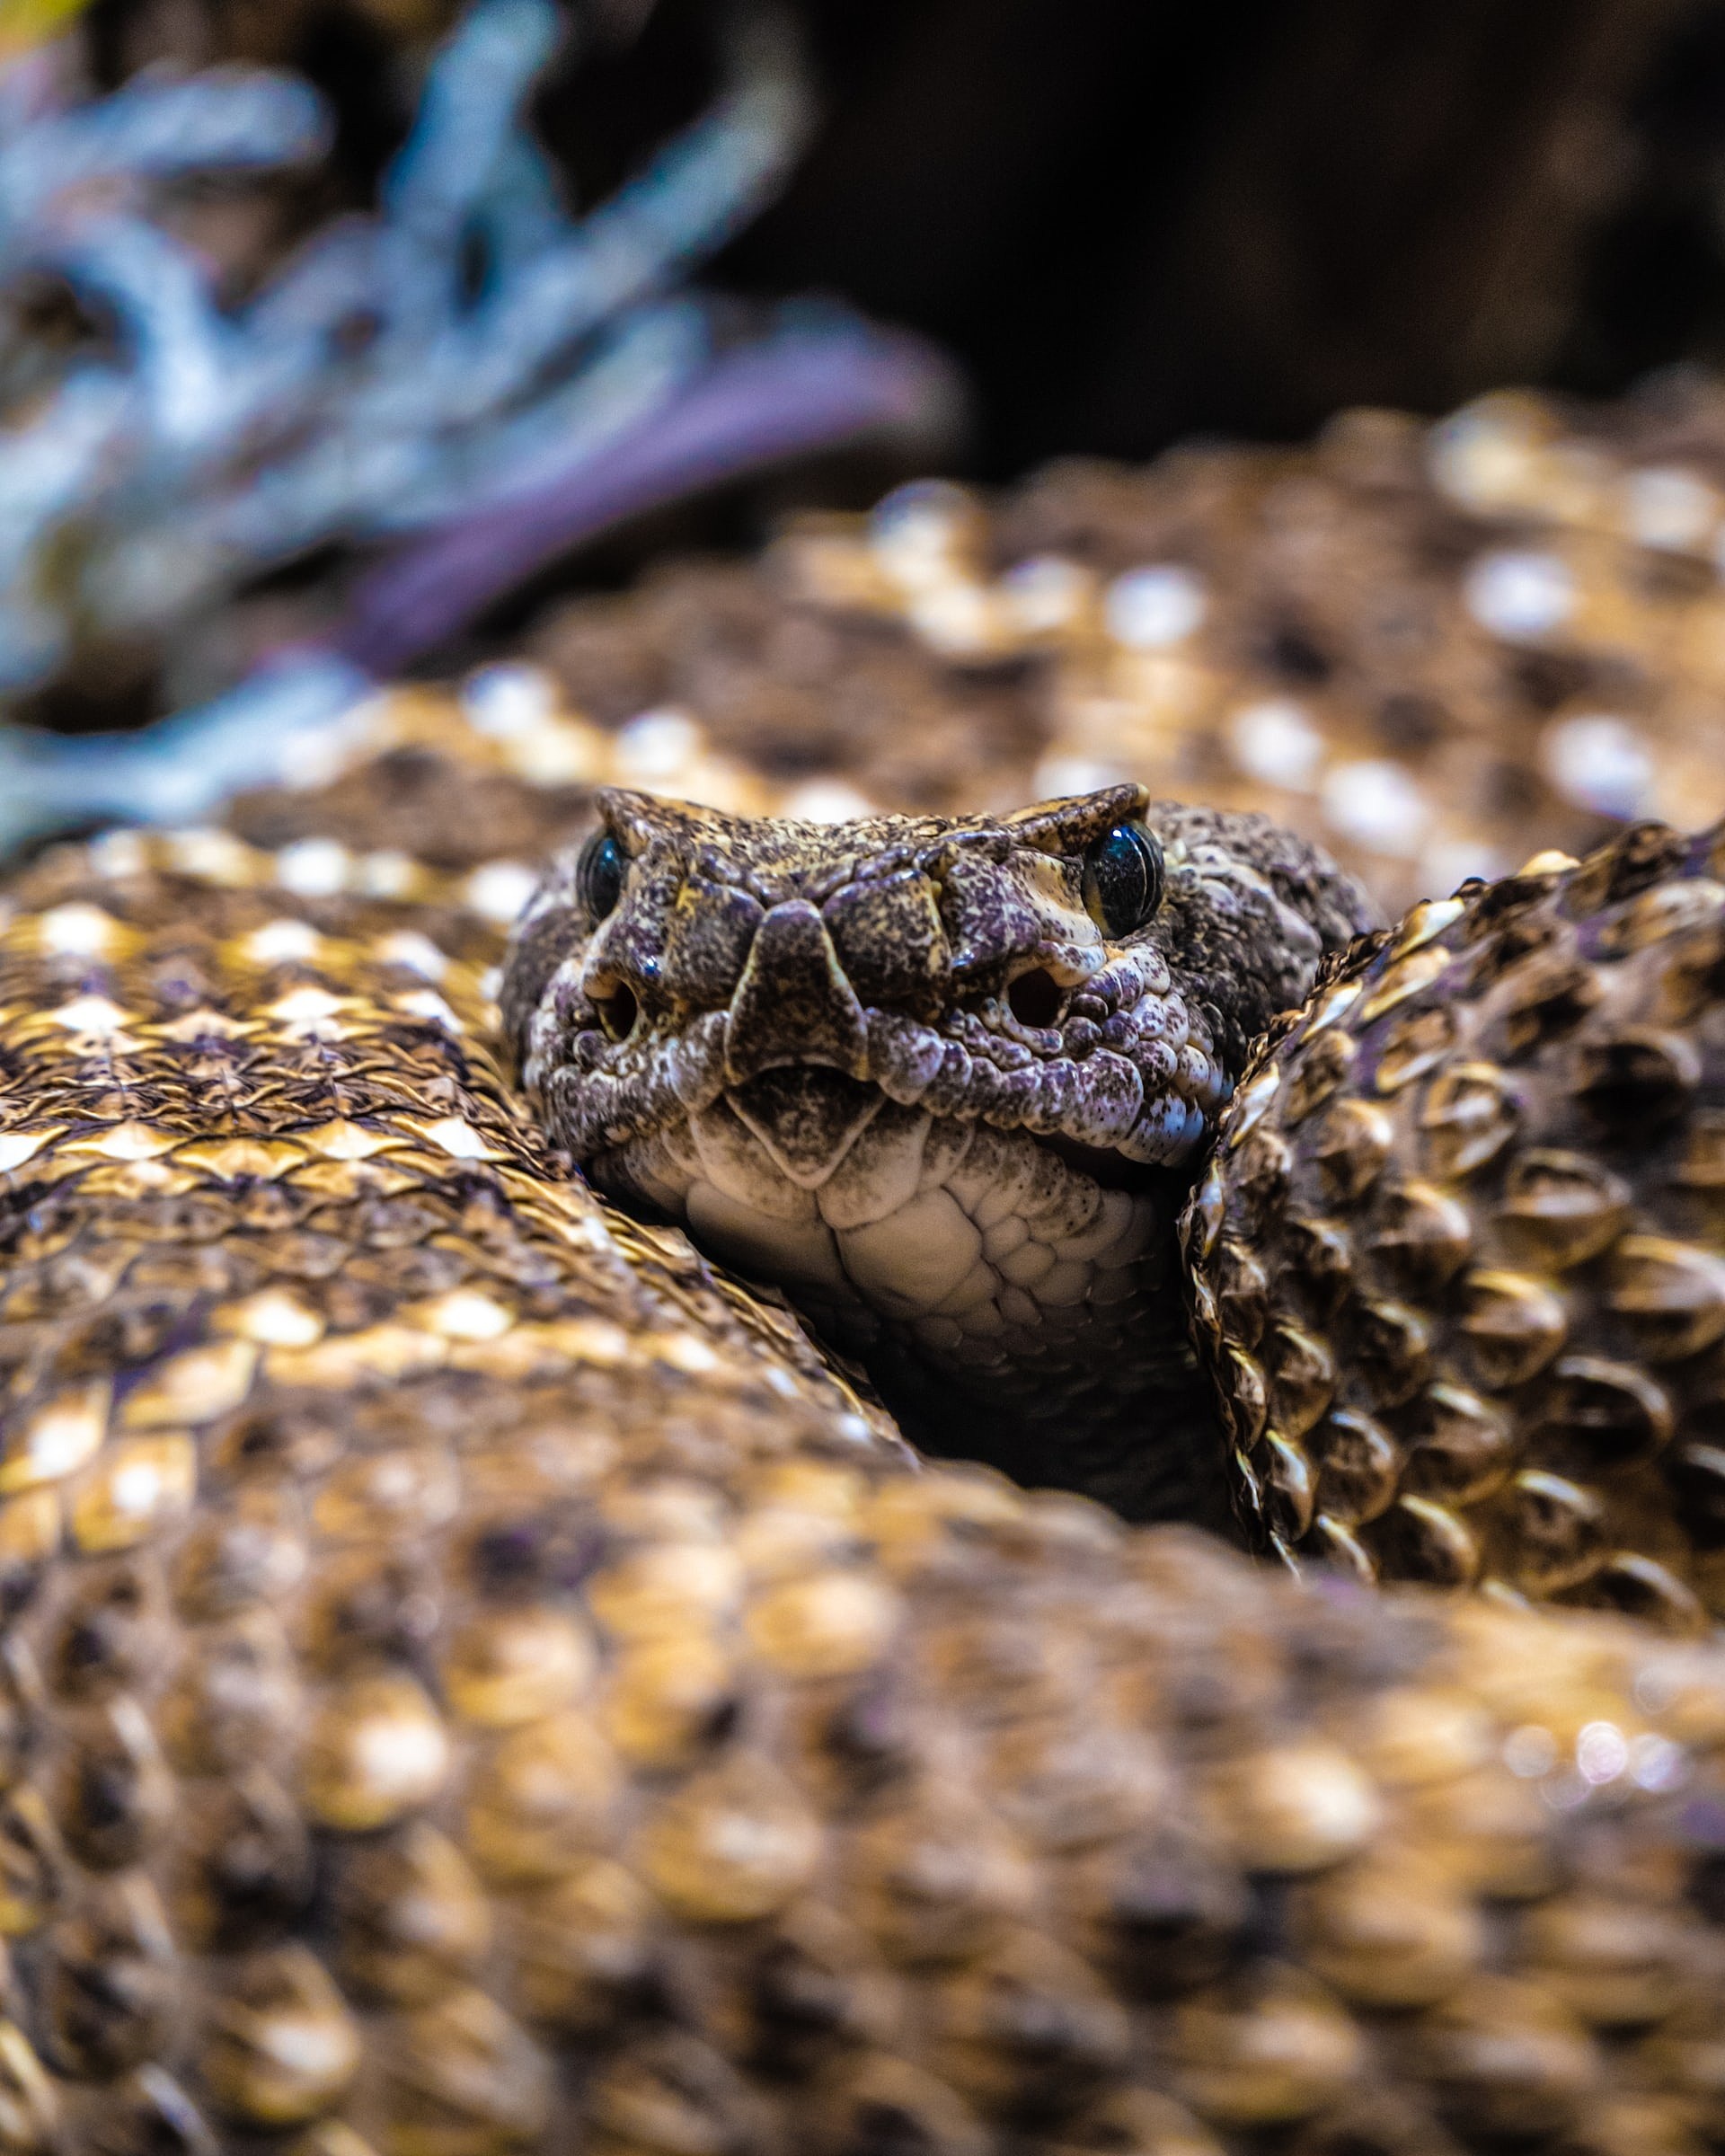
793	1003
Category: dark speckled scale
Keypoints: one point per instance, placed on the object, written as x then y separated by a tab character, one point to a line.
1522	1094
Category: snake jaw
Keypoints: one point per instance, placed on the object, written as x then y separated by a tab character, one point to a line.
896	1067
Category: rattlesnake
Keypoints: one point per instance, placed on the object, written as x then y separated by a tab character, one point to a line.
476	1679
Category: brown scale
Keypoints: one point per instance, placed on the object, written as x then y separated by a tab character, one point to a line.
474	1681
1350	672
1361	667
1461	1256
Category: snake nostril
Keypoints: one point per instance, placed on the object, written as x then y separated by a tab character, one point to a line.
617	1012
1034	997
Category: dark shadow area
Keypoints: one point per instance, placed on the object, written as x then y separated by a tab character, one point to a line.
1133	221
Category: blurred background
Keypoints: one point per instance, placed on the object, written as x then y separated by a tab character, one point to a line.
343	340
1137	222
1131	221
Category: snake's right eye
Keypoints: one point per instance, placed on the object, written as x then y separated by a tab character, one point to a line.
1123	880
599	875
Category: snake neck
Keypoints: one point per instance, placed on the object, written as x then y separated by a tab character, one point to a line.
922	1078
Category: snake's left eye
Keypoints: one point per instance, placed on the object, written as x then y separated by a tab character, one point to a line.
599	875
1122	879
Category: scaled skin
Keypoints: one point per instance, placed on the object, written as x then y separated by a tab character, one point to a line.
895	1066
474	1685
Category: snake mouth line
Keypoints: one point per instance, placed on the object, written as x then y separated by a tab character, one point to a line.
776	1106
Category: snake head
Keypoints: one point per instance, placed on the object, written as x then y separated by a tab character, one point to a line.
1093	967
943	1078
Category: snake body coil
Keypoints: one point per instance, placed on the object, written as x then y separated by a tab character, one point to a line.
473	1682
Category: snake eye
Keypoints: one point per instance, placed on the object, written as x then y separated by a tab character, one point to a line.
1122	879
599	875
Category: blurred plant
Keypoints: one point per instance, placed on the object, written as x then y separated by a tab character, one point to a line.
400	370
